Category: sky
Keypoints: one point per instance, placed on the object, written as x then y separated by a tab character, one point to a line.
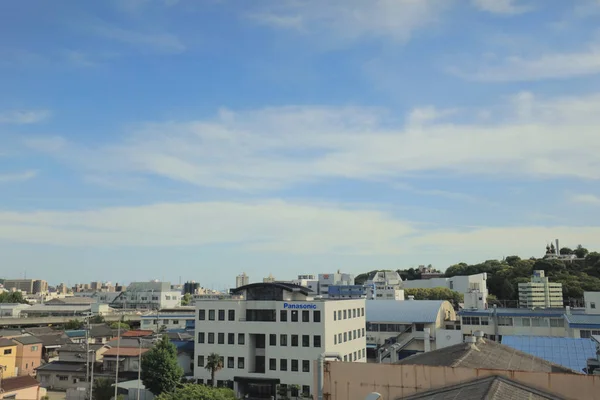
199	139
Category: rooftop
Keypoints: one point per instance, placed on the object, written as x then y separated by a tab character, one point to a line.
591	320
393	311
290	287
517	312
489	388
6	342
28	340
79	300
63	366
18	383
485	354
137	333
125	351
128	342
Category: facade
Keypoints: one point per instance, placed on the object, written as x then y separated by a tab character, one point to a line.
540	292
63	376
12	310
334	279
40	286
148	296
461	284
309	281
8	357
23	285
270	339
384	285
242	280
592	302
180	318
21	388
29	354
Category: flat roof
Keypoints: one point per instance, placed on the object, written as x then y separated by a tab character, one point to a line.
402	311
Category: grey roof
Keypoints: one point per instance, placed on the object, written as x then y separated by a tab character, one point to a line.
40	308
290	287
149	286
407	311
28	340
78	348
54	339
62	366
10	332
6	342
517	312
583	319
489	388
100	330
79	300
485	354
129	342
43	330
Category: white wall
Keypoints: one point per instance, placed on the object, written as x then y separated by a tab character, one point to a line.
461	284
447	337
592	302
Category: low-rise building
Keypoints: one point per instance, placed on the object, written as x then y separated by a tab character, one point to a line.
148	296
12	310
333	279
170	319
384	285
29	354
128	359
540	292
58	375
461	284
21	388
270	339
8	357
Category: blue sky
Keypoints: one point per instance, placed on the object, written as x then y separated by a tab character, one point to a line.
165	139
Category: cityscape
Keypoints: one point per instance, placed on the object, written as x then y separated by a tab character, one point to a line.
299	199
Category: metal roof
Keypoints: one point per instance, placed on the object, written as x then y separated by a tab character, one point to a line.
591	320
568	352
290	287
405	311
75	333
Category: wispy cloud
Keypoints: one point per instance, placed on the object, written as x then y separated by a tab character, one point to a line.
18	176
506	7
155	41
586	199
440	193
281	147
23	117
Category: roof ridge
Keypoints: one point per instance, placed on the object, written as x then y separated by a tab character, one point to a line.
460	359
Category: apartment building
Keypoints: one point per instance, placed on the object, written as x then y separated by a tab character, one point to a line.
242	280
384	285
540	292
270	337
151	295
170	319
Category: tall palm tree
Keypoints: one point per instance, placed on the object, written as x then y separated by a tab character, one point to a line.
214	363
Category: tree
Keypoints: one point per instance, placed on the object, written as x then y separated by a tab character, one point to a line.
512	260
161	372
438	293
214	363
12	297
192	391
581	251
103	389
97	319
566	251
186	299
124	326
73	324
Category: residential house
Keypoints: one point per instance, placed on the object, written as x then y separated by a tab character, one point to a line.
8	357
29	354
139	333
184	343
21	388
51	343
128	359
98	334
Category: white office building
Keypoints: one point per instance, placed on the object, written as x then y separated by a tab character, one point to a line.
540	292
384	285
461	284
335	279
151	295
269	341
242	280
308	281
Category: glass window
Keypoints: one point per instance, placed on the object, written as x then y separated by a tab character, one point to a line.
316	316
592	304
305	340
505	321
305	366
283	340
339	338
294	391
305	316
345	336
294	340
354	334
294	316
272	364
231	338
211	338
345	358
535	322
362	312
306	391
211	315
231	315
466	320
339	314
221	338
294	365
335	316
283	315
241	338
317	341
345	316
283	364
363	353
272	340
354	313
485	321
201	315
526	321
200	337
556	322
201	361
241	362
474	320
230	362
334	339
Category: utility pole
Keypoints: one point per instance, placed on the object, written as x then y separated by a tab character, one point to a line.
118	348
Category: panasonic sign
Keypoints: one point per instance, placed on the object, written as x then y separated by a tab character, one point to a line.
300	306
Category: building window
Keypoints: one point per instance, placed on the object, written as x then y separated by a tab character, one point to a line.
339	338
221	315
363	353
485	321
272	364
345	336
317	341
211	315
272	340
340	315
305	316
201	361
283	340
240	362
231	338
294	340
592	304
230	362
283	364
200	337
241	338
175	322
294	391
283	315
316	316
354	313
201	315
505	321
334	339
294	316
261	315
345	358
556	322
294	365
221	338
362	312
62	378
306	391
305	366
305	340
334	316
419	327
211	338
345	316
363	332
231	316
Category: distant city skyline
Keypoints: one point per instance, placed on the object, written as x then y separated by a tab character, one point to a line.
158	139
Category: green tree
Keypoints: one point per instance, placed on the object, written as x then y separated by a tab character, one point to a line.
565	251
124	326
103	389
97	319
186	299
592	259
192	391
214	363
73	324
581	252
161	372
12	297
438	293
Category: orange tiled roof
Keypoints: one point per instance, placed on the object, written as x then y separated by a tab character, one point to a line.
137	333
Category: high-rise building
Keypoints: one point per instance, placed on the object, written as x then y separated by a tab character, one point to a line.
191	287
540	292
242	280
271	334
23	285
269	279
96	285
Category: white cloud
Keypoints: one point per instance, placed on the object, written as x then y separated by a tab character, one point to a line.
586	199
507	7
23	117
156	41
17	176
279	147
555	65
351	19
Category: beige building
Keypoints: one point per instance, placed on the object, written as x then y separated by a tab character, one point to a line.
29	354
23	285
540	292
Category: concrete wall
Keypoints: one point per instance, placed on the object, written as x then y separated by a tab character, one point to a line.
592	302
31	393
348	381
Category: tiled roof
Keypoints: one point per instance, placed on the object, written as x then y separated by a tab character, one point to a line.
6	342
137	333
54	339
18	383
28	340
62	366
407	311
79	300
485	354
489	388
125	351
100	330
128	342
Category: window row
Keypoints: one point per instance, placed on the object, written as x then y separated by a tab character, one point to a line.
210	338
516	321
241	362
357	355
293	365
350	335
241	339
216	313
587	334
262	315
349	313
294	316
